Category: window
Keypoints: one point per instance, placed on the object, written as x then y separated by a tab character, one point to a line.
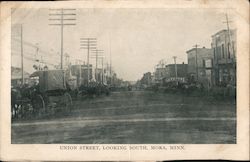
203	63
228	49
222	50
214	53
233	46
218	52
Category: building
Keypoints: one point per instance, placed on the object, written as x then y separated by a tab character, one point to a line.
98	75
101	76
82	77
224	54
159	75
196	68
146	79
176	72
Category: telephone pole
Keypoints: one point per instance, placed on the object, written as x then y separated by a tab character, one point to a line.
110	69
79	63
228	32
175	67
96	56
22	54
88	43
62	17
230	46
196	61
102	71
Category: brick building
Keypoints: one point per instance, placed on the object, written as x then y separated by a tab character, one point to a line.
197	58
224	54
171	74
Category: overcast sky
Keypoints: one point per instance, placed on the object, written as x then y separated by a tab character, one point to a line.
138	38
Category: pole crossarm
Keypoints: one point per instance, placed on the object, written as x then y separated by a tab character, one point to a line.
62	24
98	53
63	19
65	9
88	43
88	39
96	50
87	48
63	14
97	57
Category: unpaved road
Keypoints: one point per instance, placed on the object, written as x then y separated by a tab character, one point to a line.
132	118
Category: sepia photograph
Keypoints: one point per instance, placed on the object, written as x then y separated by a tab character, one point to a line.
123	80
123	76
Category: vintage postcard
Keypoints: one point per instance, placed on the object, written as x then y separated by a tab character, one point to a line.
124	80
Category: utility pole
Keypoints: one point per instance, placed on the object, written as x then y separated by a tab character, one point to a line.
230	45
22	54
80	73
102	71
196	61
110	69
79	63
62	17
175	67
216	67
88	43
37	50
96	56
67	59
229	34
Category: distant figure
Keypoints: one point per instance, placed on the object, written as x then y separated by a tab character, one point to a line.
129	88
46	67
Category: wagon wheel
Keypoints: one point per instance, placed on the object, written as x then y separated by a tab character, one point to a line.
14	109
25	108
38	105
67	100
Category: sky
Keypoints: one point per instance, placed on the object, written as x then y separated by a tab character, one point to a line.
135	39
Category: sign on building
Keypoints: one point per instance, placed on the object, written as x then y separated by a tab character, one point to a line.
208	63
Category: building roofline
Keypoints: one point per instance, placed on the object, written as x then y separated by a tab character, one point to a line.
174	64
192	49
221	31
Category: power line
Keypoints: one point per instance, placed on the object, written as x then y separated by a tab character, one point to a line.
34	46
34	60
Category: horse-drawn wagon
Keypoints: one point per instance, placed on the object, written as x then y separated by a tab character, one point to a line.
49	95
